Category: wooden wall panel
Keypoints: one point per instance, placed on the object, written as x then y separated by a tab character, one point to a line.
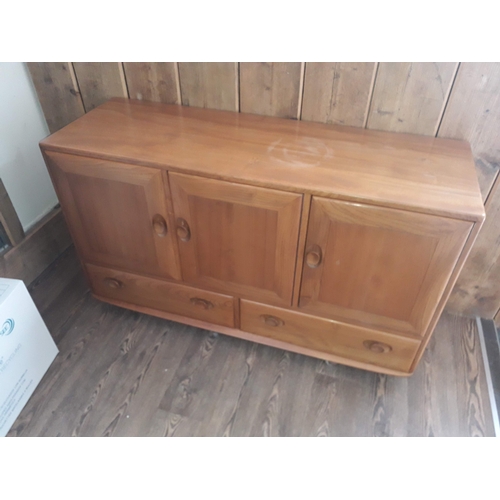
57	92
338	92
99	81
477	291
152	81
271	89
209	85
473	114
410	97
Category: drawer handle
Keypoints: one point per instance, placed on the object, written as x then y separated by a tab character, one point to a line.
113	283
159	225
183	231
314	256
206	304
377	347
271	320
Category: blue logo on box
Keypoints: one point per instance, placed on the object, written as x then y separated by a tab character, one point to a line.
7	327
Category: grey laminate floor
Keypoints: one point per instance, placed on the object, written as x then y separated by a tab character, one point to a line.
121	373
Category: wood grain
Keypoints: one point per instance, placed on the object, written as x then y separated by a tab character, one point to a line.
209	85
57	92
270	88
152	81
338	93
416	173
243	238
477	291
121	373
9	219
111	209
410	97
473	114
170	297
41	246
329	336
99	81
380	267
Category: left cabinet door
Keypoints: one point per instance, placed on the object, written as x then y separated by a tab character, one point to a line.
117	213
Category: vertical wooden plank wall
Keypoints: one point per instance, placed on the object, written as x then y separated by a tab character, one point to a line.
455	100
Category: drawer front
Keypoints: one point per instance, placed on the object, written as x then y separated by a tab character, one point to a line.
328	336
170	297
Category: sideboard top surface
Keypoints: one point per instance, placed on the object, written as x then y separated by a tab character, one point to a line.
424	174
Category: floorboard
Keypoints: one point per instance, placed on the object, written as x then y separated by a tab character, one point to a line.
121	373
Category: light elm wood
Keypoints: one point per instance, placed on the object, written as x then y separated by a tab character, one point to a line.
413	172
237	239
473	114
357	343
41	246
410	97
152	81
162	295
270	88
378	266
99	81
338	92
209	85
129	374
8	218
477	291
117	213
58	93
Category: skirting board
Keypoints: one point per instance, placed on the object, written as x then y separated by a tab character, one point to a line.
41	246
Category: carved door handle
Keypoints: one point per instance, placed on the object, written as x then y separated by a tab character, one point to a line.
206	304
113	283
159	225
314	256
183	231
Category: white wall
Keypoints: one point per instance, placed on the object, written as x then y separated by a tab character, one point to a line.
22	126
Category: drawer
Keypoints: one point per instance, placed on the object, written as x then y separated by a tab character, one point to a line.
161	295
329	336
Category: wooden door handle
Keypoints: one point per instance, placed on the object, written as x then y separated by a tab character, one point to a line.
159	225
377	347
314	256
113	283
271	320
206	304
183	231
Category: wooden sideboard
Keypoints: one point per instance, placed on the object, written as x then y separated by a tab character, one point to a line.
335	242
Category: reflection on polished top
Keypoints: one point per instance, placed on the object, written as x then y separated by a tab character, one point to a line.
424	174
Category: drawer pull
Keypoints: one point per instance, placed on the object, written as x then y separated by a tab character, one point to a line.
183	231
159	225
113	283
271	320
206	304
314	256
377	347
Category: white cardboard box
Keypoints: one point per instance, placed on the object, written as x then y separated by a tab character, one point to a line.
26	350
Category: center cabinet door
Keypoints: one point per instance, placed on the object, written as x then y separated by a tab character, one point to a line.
376	266
235	238
117	213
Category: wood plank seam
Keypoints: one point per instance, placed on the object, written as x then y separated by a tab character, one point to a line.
301	90
76	85
237	86
178	83
370	95
447	100
123	78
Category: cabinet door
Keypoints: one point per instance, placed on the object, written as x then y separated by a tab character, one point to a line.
117	213
235	238
378	266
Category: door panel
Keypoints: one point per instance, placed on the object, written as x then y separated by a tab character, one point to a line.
117	213
378	266
236	238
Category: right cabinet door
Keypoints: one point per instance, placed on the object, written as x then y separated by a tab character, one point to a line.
378	266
